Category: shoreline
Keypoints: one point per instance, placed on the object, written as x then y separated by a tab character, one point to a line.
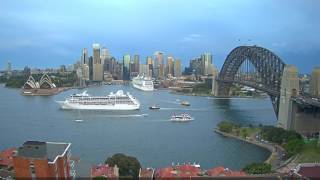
268	147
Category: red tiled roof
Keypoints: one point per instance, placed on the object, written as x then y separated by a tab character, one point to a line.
310	172
146	172
179	171
221	171
102	170
6	157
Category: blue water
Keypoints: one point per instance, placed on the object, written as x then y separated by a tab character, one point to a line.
145	134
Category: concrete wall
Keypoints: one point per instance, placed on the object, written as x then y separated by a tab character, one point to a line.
305	122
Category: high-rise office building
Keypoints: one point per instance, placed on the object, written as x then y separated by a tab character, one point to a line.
86	72
126	67
144	70
136	62
149	62
9	67
104	53
177	68
97	64
91	68
206	59
170	66
84	56
43	160
315	82
158	65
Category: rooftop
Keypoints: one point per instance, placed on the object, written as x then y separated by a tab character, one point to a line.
6	157
147	172
186	170
104	170
41	150
221	171
309	170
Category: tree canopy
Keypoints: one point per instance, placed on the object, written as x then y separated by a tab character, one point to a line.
128	166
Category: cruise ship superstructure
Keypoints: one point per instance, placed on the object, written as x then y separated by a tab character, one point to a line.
143	83
117	101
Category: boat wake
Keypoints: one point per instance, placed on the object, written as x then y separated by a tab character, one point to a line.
78	120
126	115
185	109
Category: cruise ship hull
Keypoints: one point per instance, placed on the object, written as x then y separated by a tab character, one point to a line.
143	88
116	107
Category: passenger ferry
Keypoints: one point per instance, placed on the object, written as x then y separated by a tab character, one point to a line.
117	101
143	83
181	118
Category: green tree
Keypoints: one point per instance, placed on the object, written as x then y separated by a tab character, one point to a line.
293	147
258	168
128	166
225	126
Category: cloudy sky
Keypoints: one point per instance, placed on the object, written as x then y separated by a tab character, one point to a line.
50	33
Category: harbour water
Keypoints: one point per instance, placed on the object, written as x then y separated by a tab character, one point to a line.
145	134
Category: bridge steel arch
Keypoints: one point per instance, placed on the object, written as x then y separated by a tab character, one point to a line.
267	64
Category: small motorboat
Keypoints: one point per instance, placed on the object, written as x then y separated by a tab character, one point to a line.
181	118
154	107
185	103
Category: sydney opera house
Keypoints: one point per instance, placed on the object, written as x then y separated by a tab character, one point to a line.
43	87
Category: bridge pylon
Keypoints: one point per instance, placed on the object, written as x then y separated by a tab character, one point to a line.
289	88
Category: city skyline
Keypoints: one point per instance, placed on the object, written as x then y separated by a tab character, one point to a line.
44	39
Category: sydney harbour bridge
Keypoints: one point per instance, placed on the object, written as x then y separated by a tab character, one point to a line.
263	70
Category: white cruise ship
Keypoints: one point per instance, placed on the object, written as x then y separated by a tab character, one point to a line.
117	101
143	83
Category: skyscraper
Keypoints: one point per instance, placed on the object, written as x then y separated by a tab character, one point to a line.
158	65
206	59
170	66
315	82
136	62
91	68
177	68
9	68
97	64
149	62
126	67
84	56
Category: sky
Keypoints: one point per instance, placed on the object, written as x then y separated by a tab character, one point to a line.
50	33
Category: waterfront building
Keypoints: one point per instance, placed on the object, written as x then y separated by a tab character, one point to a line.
206	61
177	68
315	82
126	67
170	66
106	171
289	88
84	56
36	159
97	64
